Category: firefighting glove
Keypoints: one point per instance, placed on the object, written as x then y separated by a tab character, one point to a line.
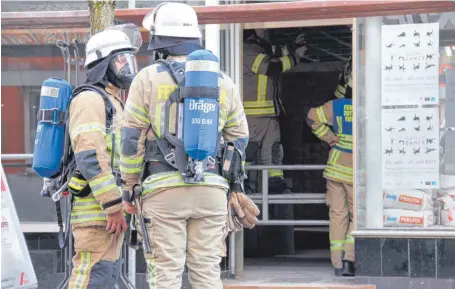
245	209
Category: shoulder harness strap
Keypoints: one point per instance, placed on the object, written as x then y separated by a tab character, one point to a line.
110	109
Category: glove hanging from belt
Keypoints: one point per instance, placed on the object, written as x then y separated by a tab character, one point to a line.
242	211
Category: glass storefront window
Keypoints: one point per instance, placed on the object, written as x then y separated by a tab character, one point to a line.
404	130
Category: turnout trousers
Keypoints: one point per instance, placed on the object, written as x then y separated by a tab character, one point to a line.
96	264
185	224
340	203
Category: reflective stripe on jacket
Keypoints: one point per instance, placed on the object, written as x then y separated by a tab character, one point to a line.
92	147
261	91
145	106
337	114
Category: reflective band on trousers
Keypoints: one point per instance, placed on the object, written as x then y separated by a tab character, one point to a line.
83	269
174	179
275	173
86	204
337	245
103	184
151	273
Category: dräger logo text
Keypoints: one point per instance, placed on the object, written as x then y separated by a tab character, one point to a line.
203	106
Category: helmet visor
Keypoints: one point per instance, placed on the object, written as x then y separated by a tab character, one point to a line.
124	64
132	31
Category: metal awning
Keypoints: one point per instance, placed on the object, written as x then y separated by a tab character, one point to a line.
238	13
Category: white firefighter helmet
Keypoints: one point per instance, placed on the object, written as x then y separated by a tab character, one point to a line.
104	43
172	20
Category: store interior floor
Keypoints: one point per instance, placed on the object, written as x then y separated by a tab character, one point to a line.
310	267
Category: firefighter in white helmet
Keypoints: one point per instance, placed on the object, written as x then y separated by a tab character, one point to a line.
185	222
332	123
97	215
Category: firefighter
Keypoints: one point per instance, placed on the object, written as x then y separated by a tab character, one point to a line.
98	226
337	114
263	64
185	222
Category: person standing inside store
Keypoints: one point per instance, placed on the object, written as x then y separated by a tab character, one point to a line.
332	123
263	64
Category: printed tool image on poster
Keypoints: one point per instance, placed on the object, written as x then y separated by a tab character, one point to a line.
17	269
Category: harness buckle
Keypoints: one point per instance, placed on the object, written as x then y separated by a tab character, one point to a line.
211	160
170	158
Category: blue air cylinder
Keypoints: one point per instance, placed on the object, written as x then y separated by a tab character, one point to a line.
50	133
200	105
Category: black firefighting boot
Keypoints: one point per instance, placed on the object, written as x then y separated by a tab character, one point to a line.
348	268
338	272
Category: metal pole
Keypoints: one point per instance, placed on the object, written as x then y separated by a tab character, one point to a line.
16	157
212	32
232	253
265	195
373	159
239	254
287	167
132	266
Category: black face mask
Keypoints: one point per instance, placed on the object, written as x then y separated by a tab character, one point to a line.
122	82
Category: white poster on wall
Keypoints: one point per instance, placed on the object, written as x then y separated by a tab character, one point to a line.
410	64
410	148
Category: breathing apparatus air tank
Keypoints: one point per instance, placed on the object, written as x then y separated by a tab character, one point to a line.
50	133
200	106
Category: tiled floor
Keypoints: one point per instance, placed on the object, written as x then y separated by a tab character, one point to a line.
288	273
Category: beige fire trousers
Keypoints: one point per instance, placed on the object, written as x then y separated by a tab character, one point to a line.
186	224
96	263
340	203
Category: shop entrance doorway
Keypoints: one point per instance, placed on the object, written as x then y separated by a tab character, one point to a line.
296	233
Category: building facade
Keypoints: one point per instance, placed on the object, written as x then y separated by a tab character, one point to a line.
404	92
